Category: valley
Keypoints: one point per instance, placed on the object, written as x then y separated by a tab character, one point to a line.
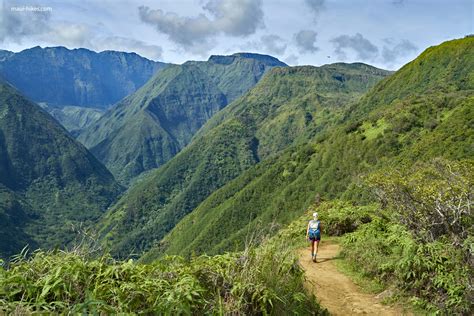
130	185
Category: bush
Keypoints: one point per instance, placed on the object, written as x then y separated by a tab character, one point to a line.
433	274
424	248
264	280
432	200
339	217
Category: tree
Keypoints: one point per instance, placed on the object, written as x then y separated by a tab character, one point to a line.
431	199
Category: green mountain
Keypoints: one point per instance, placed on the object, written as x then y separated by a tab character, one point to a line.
15	214
424	110
80	77
288	106
48	181
74	118
61	78
151	126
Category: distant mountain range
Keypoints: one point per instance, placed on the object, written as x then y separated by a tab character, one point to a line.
214	150
151	126
58	77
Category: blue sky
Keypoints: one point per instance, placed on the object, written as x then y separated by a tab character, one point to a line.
384	33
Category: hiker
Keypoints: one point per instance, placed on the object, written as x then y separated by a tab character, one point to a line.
313	233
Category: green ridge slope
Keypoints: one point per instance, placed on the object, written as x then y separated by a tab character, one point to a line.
288	106
404	127
151	126
60	183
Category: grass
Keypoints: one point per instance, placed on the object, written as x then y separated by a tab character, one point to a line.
264	280
371	131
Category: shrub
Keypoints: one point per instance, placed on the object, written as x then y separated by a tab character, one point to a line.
263	280
431	199
339	217
433	274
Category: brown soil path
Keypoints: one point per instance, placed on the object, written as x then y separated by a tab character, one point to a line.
334	290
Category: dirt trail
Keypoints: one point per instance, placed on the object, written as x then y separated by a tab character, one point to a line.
334	290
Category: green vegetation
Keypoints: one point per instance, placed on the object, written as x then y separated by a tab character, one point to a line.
48	181
79	77
74	118
151	126
260	280
14	215
423	244
279	188
287	107
393	168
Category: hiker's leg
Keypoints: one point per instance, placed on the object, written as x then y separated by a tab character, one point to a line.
317	246
312	247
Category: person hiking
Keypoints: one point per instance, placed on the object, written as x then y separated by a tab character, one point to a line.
313	233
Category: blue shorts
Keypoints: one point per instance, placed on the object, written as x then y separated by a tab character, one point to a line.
315	236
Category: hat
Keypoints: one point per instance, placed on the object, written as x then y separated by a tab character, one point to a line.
315	214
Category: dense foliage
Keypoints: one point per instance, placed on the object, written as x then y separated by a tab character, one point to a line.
151	126
288	106
264	280
48	181
423	244
79	77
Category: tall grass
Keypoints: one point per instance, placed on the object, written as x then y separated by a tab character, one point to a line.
263	280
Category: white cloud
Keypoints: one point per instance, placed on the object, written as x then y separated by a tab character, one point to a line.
229	17
16	25
316	6
118	43
305	41
394	51
273	44
363	48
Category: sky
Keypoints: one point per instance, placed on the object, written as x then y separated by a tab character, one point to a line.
383	33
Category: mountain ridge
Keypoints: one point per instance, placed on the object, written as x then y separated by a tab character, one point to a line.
80	77
164	114
250	129
422	125
46	174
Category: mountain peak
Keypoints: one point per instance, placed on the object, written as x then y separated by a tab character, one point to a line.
228	59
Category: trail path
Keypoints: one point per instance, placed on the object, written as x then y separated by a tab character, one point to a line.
334	290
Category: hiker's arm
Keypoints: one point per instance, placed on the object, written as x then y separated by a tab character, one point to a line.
307	231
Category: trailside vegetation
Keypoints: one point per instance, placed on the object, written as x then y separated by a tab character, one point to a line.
264	280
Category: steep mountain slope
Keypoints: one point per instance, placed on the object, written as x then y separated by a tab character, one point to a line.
59	77
424	110
74	118
5	54
79	77
15	214
288	106
151	126
50	181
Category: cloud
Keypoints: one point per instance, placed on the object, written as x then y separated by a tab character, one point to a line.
273	44
69	34
305	41
291	60
16	24
362	47
316	6
118	43
393	51
229	17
